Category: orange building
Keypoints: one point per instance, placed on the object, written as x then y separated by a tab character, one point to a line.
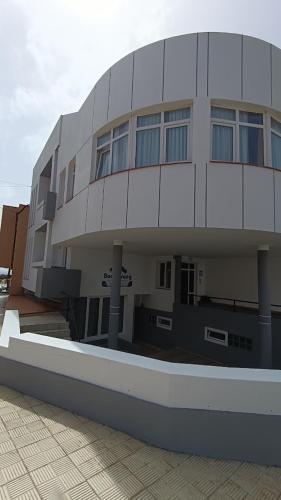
12	244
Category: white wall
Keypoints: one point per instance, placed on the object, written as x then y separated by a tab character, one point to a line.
94	263
237	278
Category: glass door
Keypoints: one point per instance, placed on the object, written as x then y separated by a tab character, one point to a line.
97	318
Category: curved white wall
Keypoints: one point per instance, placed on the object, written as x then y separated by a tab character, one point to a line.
191	69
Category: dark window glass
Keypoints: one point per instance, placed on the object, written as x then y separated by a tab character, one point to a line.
248	117
251	145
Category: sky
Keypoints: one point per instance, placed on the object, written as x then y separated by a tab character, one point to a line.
52	53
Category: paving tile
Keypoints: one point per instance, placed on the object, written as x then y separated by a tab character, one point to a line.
51	489
30	495
81	492
43	458
4	495
42	475
6	446
90	468
20	486
170	485
62	465
29	451
13	471
229	490
151	472
71	479
82	455
144	495
247	476
122	490
9	459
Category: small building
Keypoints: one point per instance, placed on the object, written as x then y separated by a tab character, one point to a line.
156	208
13	231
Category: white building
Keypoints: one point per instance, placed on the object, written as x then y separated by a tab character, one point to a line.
175	158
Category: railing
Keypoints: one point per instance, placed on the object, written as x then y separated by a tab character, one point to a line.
231	302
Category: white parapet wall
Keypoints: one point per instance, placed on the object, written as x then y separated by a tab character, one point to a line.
174	386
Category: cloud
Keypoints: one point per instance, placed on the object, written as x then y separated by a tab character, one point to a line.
52	53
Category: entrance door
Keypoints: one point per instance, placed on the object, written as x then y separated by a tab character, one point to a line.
188	283
97	317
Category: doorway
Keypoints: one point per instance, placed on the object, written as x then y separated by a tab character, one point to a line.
97	318
188	283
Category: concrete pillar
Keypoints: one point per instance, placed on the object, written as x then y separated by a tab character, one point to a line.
114	311
177	291
264	307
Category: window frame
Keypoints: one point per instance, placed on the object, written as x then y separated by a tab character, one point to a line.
158	274
236	133
163	126
71	171
278	134
108	146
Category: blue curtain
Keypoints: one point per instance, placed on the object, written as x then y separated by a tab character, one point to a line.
119	154
176	144
276	150
147	147
222	147
251	145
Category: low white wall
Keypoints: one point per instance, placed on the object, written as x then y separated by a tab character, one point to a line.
168	384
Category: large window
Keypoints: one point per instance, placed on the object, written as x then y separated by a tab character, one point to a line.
70	179
162	137
276	143
237	136
112	151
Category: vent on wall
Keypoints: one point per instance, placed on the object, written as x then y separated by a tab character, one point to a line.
216	336
162	322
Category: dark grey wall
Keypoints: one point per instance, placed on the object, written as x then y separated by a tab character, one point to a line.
217	434
189	327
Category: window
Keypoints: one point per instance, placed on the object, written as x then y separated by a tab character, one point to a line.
230	127
276	143
216	336
251	138
164	275
61	189
70	179
165	323
112	151
148	140
170	127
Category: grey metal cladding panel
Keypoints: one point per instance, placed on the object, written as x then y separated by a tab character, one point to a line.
256	71
225	65
58	283
49	207
148	75
120	95
101	101
180	67
276	78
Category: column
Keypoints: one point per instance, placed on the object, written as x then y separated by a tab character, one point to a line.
177	291
264	307
114	311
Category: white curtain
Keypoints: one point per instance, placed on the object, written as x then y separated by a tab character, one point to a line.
251	145
276	150
176	144
148	147
222	149
119	154
103	163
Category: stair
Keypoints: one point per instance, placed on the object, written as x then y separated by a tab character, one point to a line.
50	324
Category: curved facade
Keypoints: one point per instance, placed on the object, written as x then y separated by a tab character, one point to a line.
175	152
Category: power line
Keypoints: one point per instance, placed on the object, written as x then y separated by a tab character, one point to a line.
12	184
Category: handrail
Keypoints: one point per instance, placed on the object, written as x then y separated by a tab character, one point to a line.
232	300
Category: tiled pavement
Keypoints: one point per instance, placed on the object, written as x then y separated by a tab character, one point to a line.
49	453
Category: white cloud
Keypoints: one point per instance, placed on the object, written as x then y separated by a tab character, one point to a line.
52	53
